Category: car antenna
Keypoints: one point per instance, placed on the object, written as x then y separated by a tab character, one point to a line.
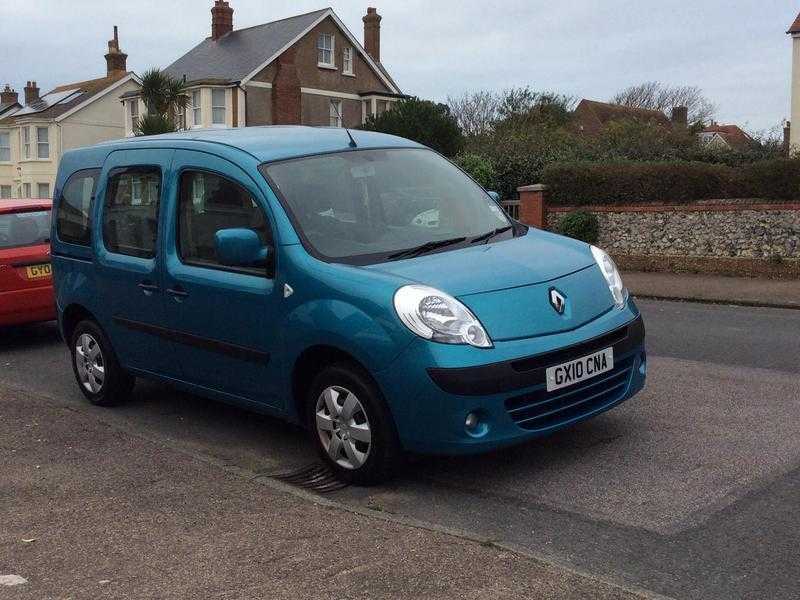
352	141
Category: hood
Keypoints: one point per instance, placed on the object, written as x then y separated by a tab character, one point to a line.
507	284
532	258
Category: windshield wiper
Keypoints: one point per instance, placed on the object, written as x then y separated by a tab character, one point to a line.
485	237
426	247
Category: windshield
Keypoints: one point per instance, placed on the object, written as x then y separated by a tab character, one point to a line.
369	205
24	229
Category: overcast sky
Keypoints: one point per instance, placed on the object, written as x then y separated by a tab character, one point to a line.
736	52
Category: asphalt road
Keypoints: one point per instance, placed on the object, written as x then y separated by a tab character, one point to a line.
692	489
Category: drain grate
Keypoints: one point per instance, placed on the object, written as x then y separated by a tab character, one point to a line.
316	477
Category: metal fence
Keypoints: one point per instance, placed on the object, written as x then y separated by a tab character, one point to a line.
511	207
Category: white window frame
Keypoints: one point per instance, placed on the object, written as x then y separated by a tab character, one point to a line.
5	146
335	112
323	50
134	110
42	193
26	142
348	61
217	107
197	111
26	190
45	143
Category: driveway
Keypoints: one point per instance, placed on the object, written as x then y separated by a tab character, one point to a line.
691	490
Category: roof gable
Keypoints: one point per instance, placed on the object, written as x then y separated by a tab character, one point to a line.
242	54
795	27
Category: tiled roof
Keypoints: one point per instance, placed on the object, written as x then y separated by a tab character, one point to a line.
733	134
610	112
84	89
795	27
236	55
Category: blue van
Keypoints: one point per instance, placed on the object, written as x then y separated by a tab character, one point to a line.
353	282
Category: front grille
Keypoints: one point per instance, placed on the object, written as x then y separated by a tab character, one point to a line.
540	410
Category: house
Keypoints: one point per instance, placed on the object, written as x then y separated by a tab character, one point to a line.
307	69
725	137
33	137
591	117
794	132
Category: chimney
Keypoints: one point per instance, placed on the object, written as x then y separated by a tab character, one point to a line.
116	60
221	19
372	33
31	93
680	116
8	95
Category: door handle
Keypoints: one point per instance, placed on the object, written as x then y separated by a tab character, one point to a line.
148	288
177	292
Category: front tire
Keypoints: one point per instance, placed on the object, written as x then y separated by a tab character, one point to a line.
98	372
351	425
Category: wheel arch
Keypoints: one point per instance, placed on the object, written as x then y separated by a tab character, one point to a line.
71	316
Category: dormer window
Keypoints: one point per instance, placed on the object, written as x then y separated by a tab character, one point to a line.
347	61
325	51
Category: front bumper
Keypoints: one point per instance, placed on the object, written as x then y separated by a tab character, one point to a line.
430	404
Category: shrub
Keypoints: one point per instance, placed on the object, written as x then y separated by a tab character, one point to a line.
423	121
590	183
580	225
479	168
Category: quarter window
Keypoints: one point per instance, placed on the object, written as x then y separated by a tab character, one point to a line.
218	107
347	61
207	204
73	219
325	50
336	113
130	211
5	147
197	119
42	142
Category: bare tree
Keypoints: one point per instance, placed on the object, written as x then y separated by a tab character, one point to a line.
475	112
658	96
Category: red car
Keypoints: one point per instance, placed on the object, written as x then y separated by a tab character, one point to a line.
26	281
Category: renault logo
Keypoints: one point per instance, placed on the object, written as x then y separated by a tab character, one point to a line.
557	301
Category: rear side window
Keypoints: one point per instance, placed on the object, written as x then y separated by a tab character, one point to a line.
24	229
130	211
73	220
207	204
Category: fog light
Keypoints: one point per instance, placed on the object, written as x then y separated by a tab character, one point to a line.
471	421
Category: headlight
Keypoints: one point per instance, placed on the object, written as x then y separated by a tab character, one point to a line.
611	273
437	316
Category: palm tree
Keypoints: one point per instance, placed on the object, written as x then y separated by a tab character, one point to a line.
164	96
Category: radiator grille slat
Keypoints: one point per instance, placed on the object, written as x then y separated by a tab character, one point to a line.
540	409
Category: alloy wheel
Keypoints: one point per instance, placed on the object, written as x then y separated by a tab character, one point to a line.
343	427
89	363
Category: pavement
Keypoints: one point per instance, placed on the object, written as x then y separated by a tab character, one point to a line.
689	490
91	510
743	291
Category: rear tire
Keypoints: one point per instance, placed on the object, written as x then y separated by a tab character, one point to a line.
98	372
351	425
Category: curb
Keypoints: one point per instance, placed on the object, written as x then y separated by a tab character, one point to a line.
719	301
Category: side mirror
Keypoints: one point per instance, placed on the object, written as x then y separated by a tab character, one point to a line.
495	196
240	248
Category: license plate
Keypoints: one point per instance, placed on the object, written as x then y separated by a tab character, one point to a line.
580	369
39	271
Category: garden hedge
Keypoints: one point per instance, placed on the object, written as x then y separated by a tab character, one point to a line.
593	183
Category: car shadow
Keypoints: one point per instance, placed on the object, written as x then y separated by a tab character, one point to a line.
32	335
